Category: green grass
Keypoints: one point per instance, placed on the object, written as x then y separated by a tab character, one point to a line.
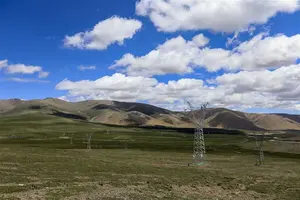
41	165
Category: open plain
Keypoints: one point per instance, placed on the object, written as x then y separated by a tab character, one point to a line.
45	157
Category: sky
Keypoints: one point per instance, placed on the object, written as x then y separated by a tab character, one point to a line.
239	54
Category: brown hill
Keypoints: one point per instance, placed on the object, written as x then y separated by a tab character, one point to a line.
273	122
138	114
232	120
7	105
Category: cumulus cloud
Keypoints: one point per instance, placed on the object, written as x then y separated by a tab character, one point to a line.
179	56
117	86
105	33
175	56
259	53
110	83
283	83
247	89
83	68
266	52
3	63
280	80
23	69
217	15
200	40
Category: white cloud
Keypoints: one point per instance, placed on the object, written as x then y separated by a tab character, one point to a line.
43	74
297	107
179	56
110	83
214	59
280	80
173	87
200	40
26	80
64	98
105	33
3	63
263	89
267	52
83	68
117	86
216	15
247	89
259	53
175	56
234	40
23	69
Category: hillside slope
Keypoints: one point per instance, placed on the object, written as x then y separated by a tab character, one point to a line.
138	114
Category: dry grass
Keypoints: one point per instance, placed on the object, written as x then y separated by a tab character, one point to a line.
42	166
36	173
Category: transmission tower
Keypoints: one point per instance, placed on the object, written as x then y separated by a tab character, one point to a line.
88	118
198	117
89	139
259	147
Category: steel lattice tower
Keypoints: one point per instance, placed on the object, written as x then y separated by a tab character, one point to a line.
199	145
259	146
198	117
89	139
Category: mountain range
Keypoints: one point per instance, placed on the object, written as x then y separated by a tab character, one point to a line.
138	114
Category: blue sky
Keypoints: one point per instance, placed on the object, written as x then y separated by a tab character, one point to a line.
33	33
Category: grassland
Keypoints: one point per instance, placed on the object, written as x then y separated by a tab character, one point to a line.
38	160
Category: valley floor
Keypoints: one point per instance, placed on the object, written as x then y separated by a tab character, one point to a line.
43	162
43	173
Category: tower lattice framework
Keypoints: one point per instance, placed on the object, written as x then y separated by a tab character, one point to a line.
89	139
198	117
259	146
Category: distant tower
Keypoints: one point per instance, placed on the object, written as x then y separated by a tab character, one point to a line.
88	118
198	117
89	139
259	146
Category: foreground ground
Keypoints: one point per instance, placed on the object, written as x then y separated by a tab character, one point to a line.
39	160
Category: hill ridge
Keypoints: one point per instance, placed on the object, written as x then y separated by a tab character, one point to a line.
140	114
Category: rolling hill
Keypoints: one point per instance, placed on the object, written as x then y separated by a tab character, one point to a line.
138	114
